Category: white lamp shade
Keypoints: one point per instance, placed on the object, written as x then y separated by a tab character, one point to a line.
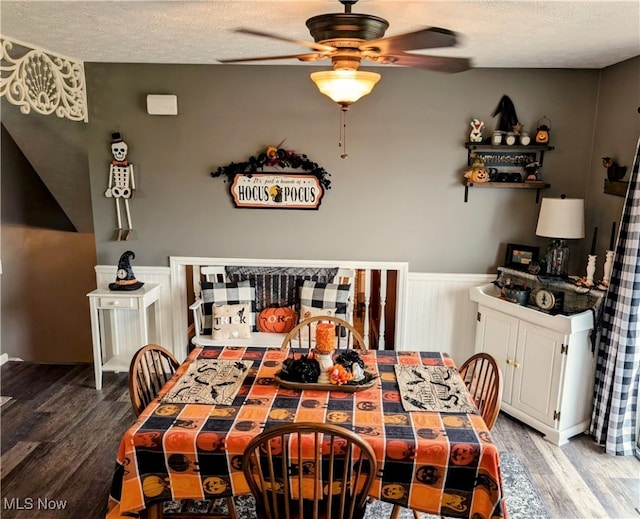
345	86
561	218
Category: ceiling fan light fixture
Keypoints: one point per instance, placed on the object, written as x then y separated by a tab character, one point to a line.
345	86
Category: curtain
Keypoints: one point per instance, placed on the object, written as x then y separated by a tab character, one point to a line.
613	422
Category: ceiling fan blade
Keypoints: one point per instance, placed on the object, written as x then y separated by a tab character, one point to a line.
430	38
309	44
437	63
302	57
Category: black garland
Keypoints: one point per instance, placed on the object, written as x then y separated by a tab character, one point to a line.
275	157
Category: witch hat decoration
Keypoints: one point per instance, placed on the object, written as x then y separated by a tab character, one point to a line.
125	280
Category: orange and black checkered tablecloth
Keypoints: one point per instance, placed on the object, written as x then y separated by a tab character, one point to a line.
441	463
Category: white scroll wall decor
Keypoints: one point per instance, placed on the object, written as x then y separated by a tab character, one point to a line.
39	80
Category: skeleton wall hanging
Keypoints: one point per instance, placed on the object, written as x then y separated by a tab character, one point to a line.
122	184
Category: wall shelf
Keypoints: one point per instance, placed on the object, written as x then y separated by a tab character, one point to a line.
537	185
505	147
506	159
616	187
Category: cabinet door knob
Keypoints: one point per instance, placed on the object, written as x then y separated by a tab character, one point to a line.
516	364
508	361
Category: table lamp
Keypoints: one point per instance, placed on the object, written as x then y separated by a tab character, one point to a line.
560	219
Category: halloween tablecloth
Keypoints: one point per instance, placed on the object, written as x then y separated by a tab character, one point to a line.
441	463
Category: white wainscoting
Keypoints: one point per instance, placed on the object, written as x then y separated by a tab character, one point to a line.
125	323
440	315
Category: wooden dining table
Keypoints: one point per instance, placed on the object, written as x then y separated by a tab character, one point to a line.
443	463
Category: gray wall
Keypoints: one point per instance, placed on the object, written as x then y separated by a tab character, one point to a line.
617	132
398	196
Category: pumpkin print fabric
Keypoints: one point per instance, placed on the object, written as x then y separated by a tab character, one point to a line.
442	463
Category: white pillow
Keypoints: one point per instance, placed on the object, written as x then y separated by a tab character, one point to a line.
231	321
310	311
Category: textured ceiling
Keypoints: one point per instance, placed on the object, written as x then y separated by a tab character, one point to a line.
541	34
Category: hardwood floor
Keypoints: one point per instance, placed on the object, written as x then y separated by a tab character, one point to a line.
60	436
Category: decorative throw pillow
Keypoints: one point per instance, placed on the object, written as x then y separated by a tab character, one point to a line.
277	319
231	321
278	285
227	294
325	295
309	311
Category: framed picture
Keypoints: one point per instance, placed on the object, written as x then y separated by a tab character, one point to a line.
519	257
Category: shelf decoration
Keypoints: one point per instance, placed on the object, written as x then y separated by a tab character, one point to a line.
532	171
477	172
506	158
543	129
507	114
251	186
39	80
614	171
476	130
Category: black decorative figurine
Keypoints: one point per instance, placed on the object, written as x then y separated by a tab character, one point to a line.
125	280
508	118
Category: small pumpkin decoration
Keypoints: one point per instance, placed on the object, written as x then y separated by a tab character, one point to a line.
277	319
477	172
542	132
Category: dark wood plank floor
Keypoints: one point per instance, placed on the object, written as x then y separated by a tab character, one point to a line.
60	436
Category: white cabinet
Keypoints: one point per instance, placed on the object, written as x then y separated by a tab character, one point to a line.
546	362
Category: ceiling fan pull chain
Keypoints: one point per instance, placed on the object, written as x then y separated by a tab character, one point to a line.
343	133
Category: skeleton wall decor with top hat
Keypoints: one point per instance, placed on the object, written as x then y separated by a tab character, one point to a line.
125	280
122	184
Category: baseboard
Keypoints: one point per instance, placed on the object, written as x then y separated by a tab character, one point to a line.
3	358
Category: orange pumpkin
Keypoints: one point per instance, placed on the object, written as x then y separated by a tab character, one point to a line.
278	319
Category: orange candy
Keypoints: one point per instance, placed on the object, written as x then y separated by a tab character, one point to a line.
338	374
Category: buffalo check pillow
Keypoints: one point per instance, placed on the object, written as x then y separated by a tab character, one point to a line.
325	295
234	293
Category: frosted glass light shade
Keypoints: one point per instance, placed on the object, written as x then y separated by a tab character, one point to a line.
561	218
345	86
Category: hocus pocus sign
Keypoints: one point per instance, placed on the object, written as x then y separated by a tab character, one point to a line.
276	191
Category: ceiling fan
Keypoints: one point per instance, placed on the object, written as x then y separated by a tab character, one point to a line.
348	38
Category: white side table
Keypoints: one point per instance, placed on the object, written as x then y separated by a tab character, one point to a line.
104	299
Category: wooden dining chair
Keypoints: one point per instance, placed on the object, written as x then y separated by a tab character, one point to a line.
303	335
483	378
309	470
150	369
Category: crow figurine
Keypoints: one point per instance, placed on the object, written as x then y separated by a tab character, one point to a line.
614	172
508	118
